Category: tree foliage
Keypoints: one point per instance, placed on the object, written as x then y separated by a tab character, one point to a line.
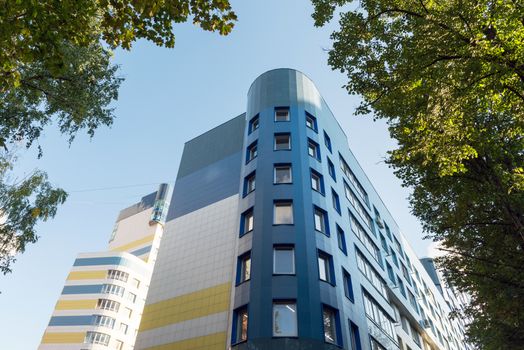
55	68
448	76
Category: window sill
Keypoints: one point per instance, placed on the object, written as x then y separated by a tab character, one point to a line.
245	233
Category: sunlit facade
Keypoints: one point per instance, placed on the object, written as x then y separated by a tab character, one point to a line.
276	239
101	304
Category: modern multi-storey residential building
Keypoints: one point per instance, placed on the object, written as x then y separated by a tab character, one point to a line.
276	239
103	298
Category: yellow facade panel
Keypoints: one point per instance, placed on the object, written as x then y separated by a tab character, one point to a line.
75	304
129	246
216	341
87	275
186	307
63	338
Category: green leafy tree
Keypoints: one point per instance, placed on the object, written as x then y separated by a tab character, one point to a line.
448	77
55	69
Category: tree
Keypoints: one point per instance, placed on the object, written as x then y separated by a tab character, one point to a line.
448	77
55	68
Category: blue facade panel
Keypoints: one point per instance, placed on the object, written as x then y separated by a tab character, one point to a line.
71	320
141	251
83	289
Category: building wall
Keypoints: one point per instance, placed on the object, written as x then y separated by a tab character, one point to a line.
196	295
189	299
133	246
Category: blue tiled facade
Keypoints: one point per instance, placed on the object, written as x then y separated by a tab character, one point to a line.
373	288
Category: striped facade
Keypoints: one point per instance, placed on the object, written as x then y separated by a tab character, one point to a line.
103	298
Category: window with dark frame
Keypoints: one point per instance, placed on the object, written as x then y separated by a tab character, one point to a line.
249	183
282	174
283	260
251	152
247	222
244	268
283	213
327	142
311	122
348	286
282	114
325	267
313	150
282	142
241	319
254	123
321	220
317	181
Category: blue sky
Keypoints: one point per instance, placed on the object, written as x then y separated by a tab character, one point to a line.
170	96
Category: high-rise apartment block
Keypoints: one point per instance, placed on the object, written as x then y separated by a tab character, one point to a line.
103	298
276	239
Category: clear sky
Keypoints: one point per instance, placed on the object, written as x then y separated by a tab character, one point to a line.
170	96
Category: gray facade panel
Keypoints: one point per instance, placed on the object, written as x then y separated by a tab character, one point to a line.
205	186
212	146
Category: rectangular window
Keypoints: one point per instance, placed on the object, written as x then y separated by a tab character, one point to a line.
336	201
283	174
254	123
321	221
103	321
97	338
415	335
244	268
375	345
325	267
123	328
361	234
118	345
353	179
329	317
359	208
283	213
249	183
117	275
240	325
317	182
348	286
113	289
413	301
313	150
135	283
282	142
391	274
327	141
388	231
375	313
394	257
247	222
371	274
285	319
251	152
283	260
355	336
331	169
106	304
128	312
311	122
282	114
398	246
384	243
131	297
401	286
341	237
405	272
